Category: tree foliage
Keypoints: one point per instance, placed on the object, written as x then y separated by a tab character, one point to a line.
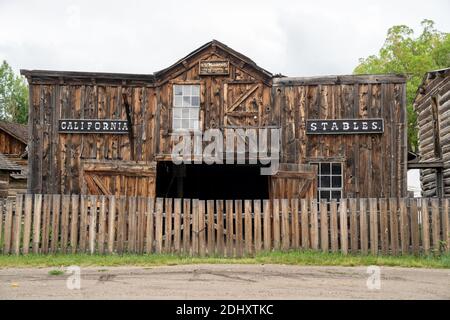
413	56
13	95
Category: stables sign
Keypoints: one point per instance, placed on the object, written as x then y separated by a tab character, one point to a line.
93	126
349	126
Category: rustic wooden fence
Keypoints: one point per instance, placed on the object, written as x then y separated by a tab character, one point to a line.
107	224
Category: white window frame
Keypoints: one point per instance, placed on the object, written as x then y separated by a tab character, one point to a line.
329	189
186	107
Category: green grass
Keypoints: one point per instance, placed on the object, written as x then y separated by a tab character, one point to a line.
56	272
305	258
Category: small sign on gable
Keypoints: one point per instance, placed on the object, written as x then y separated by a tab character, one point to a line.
214	67
350	126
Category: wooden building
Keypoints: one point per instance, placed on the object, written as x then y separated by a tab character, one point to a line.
13	138
432	105
341	136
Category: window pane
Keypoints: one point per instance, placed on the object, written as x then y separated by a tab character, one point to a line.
325	194
185	113
178	90
324	168
185	124
336	182
177	113
196	90
336	168
186	90
193	114
178	101
186	101
193	124
336	194
324	181
176	124
195	101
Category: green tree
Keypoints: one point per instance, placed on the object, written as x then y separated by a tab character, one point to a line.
13	95
413	56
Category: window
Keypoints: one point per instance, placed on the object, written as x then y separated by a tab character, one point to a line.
186	106
329	180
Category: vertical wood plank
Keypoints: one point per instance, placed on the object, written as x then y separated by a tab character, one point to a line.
285	224
2	205
344	226
65	211
267	224
75	214
363	226
334	226
324	225
168	225
158	225
102	225
220	230
384	227
425	226
305	223
177	226
92	224
276	224
239	228
131	245
201	228
17	225
436	227
446	223
314	225
195	227
111	223
373	226
121	224
295	223
149	229
211	233
404	226
56	204
26	224
8	226
186	226
229	226
46	223
393	225
414	226
353	225
248	227
257	225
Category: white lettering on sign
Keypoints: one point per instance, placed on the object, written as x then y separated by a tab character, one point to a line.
341	126
93	126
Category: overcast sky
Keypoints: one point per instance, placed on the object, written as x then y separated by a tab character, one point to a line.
296	38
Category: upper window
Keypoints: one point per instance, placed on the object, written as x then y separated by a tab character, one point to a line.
329	180
186	106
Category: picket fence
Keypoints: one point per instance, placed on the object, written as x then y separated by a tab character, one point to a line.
232	228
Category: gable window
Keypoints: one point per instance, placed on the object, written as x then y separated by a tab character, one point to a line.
329	180
186	106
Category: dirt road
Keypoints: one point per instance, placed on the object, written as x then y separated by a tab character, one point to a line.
226	282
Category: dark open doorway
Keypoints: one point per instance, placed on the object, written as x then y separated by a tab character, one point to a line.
217	181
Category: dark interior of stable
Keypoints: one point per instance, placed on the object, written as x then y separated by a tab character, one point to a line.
216	181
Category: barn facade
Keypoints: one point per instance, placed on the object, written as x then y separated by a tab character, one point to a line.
432	105
103	133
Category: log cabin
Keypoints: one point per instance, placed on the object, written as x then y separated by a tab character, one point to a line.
114	134
432	105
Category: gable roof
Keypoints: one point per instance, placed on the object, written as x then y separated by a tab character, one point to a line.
222	46
17	130
430	80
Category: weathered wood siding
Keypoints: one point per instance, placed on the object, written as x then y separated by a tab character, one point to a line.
434	130
374	165
10	145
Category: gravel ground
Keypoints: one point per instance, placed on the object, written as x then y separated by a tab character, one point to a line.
226	282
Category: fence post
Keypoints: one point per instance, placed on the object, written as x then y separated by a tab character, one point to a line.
384	227
425	226
229	226
8	227
305	223
436	227
353	226
285	224
158	225
393	218
314	225
111	223
445	223
211	234
220	231
363	225
334	226
267	224
257	225
17	224
344	226
74	223
56	205
27	223
248	227
373	226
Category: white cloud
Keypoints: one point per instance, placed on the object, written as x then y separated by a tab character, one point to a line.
291	37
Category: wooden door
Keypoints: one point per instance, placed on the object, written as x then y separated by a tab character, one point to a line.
242	104
119	178
294	182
